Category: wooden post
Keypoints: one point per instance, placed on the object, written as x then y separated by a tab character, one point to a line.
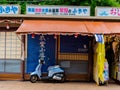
90	60
23	58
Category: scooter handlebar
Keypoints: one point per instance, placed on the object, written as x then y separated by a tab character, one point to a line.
41	61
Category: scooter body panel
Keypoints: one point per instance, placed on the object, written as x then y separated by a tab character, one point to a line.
54	70
37	71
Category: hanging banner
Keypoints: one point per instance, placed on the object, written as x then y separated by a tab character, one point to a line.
58	10
107	11
9	9
42	47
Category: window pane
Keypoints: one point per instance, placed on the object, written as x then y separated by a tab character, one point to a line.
13	44
13	66
2	44
10	45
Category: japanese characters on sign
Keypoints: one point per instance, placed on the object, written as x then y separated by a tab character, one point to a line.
58	10
107	11
9	9
42	47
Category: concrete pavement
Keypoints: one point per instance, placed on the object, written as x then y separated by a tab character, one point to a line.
27	85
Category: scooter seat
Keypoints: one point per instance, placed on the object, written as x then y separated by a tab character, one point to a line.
51	67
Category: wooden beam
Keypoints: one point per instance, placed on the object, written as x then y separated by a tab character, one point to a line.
10	76
20	16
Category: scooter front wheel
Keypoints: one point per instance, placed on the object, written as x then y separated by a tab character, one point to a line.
33	78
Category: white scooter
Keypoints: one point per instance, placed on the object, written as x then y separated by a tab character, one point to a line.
54	73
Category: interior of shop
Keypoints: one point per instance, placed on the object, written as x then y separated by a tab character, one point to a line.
112	48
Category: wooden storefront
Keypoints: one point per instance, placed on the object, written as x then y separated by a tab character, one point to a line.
61	57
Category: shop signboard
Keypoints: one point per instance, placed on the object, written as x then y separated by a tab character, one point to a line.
108	11
9	9
58	10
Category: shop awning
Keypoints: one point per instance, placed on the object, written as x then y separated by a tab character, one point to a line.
68	26
52	26
114	27
97	27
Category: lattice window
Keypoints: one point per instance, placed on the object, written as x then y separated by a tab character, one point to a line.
10	46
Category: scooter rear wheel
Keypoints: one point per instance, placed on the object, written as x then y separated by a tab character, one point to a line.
33	78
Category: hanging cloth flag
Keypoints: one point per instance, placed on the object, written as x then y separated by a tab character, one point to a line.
99	38
100	63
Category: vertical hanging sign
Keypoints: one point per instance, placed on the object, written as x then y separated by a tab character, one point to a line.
42	47
9	9
58	10
108	11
